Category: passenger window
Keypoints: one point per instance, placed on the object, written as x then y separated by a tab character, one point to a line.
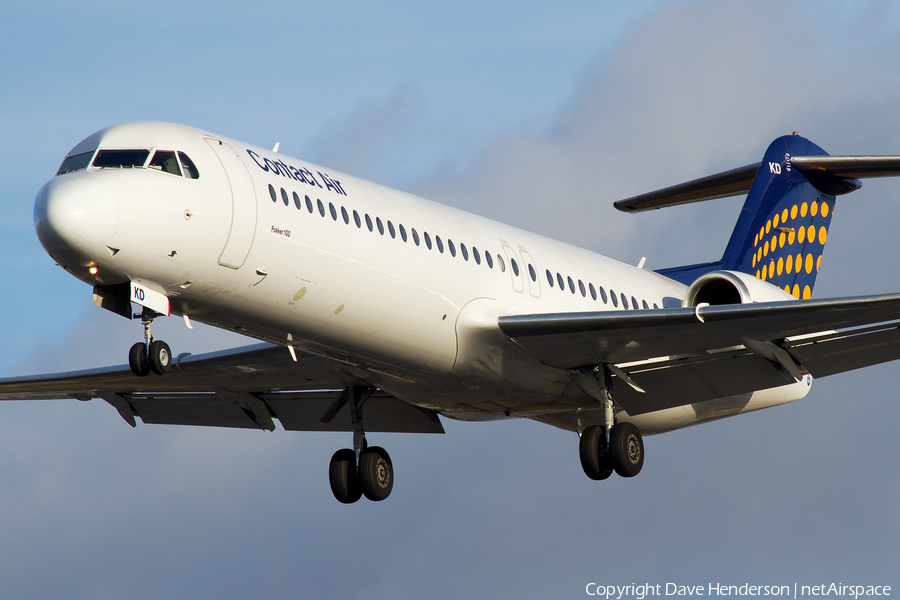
415	236
501	263
440	244
603	294
532	273
297	201
402	232
284	197
571	284
465	253
380	225
333	211
476	255
391	230
273	193
612	296
309	204
356	219
593	291
345	216
427	239
581	288
321	207
369	222
187	166
489	259
121	159
75	162
644	304
549	278
451	247
515	266
634	303
559	280
164	160
624	302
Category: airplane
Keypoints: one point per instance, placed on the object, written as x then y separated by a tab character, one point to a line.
374	310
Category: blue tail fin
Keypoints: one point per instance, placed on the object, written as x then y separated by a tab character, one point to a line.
783	226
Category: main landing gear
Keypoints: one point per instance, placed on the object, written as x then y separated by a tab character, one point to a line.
149	355
624	453
364	470
612	446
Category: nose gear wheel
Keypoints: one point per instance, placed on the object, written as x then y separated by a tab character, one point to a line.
149	355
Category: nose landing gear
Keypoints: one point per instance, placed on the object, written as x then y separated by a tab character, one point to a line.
149	355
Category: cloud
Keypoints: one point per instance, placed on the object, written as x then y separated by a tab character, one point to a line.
696	88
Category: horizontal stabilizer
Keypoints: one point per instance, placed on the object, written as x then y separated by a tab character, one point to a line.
850	167
721	185
831	174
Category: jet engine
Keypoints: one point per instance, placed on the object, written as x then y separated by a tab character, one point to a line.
732	287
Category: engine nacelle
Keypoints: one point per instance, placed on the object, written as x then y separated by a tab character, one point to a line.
732	287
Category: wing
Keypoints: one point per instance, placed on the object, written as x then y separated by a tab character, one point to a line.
243	387
673	357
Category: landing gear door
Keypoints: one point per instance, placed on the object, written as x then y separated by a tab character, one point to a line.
243	202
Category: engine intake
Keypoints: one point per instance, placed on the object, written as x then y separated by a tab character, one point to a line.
732	287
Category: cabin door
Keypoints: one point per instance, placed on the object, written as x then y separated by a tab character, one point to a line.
243	206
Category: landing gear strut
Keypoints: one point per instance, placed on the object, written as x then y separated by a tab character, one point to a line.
363	470
149	355
612	446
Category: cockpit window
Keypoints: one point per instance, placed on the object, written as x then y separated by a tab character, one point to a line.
187	165
164	160
121	159
76	162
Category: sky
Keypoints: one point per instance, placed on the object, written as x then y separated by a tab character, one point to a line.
536	115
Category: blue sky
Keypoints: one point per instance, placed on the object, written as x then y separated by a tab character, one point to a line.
536	115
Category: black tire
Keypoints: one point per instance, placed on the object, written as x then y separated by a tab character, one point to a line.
137	360
627	449
376	473
160	357
343	477
594	459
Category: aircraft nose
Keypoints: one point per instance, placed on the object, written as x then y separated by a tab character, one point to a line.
73	212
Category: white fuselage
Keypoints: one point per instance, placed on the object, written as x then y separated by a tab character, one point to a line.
406	298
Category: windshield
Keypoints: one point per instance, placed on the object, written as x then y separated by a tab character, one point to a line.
120	159
165	161
190	171
75	162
